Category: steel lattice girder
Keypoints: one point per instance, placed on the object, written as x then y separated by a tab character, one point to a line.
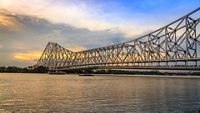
176	42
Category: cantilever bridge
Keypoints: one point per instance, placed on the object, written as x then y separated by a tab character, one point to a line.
174	46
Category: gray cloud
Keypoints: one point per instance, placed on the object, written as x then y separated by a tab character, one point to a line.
32	34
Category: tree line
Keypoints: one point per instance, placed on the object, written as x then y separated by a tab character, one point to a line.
41	69
14	69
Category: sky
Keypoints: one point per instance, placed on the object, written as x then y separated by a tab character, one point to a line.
26	26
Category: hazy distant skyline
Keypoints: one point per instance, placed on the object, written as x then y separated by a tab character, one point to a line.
27	26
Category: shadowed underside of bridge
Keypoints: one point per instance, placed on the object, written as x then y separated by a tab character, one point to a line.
174	46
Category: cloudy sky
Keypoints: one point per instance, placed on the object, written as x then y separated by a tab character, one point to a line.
26	26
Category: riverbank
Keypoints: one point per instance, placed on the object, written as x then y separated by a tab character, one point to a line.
152	76
13	69
120	75
137	72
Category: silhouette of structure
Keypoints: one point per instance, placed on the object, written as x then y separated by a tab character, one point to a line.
174	46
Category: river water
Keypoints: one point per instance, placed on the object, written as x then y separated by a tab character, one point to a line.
99	94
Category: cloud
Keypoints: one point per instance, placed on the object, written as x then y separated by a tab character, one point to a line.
27	26
7	22
83	14
133	18
22	46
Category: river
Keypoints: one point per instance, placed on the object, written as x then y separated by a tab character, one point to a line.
98	94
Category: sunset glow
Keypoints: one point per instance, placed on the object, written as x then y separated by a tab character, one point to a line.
27	26
28	56
7	22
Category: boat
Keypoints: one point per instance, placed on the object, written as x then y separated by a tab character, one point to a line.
86	75
56	73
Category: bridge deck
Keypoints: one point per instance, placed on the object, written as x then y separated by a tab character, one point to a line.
173	46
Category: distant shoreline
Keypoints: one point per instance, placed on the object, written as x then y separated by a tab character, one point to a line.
13	69
152	76
143	74
126	75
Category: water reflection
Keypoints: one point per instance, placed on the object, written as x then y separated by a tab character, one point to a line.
74	94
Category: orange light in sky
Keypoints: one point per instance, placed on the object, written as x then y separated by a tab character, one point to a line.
30	56
76	49
7	22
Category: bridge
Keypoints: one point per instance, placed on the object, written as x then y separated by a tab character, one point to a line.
174	46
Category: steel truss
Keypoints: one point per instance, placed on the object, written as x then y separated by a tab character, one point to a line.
174	45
